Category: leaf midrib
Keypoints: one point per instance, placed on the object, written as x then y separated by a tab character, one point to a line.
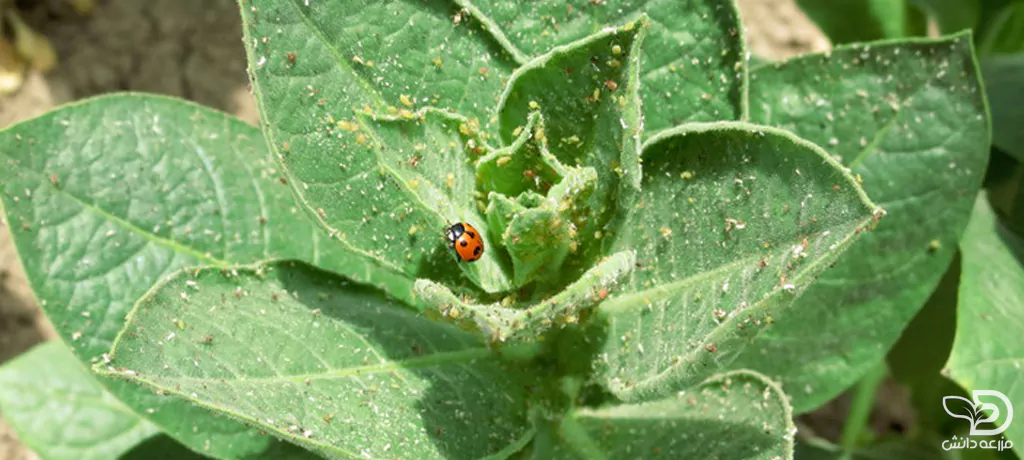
437	359
121	222
730	324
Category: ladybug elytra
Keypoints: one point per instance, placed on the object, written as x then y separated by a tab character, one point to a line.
466	241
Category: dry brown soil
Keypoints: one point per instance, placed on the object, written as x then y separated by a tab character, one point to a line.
193	49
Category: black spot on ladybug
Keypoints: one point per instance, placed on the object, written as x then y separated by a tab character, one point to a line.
471	234
463	243
476	251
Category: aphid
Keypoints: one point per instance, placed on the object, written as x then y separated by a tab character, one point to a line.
466	241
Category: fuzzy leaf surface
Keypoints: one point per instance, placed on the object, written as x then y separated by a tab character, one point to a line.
107	196
734	221
909	118
330	365
692	62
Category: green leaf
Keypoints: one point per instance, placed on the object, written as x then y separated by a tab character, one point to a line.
987	351
909	118
848	21
311	60
1005	88
500	322
333	366
105	197
737	221
736	415
60	411
692	64
587	94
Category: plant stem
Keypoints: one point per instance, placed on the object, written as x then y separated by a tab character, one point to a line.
860	409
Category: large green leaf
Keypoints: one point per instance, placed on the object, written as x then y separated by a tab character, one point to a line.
848	21
61	412
693	62
737	415
326	72
733	224
1004	81
987	351
333	366
107	196
909	118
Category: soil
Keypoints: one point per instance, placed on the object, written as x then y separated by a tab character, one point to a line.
192	49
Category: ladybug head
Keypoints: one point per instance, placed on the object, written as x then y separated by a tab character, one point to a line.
454	232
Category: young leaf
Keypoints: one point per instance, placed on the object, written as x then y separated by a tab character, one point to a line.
735	415
987	351
693	65
106	196
909	119
524	165
737	221
54	405
500	211
587	93
314	359
540	237
538	241
501	323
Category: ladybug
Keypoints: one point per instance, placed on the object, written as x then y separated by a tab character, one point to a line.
466	241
